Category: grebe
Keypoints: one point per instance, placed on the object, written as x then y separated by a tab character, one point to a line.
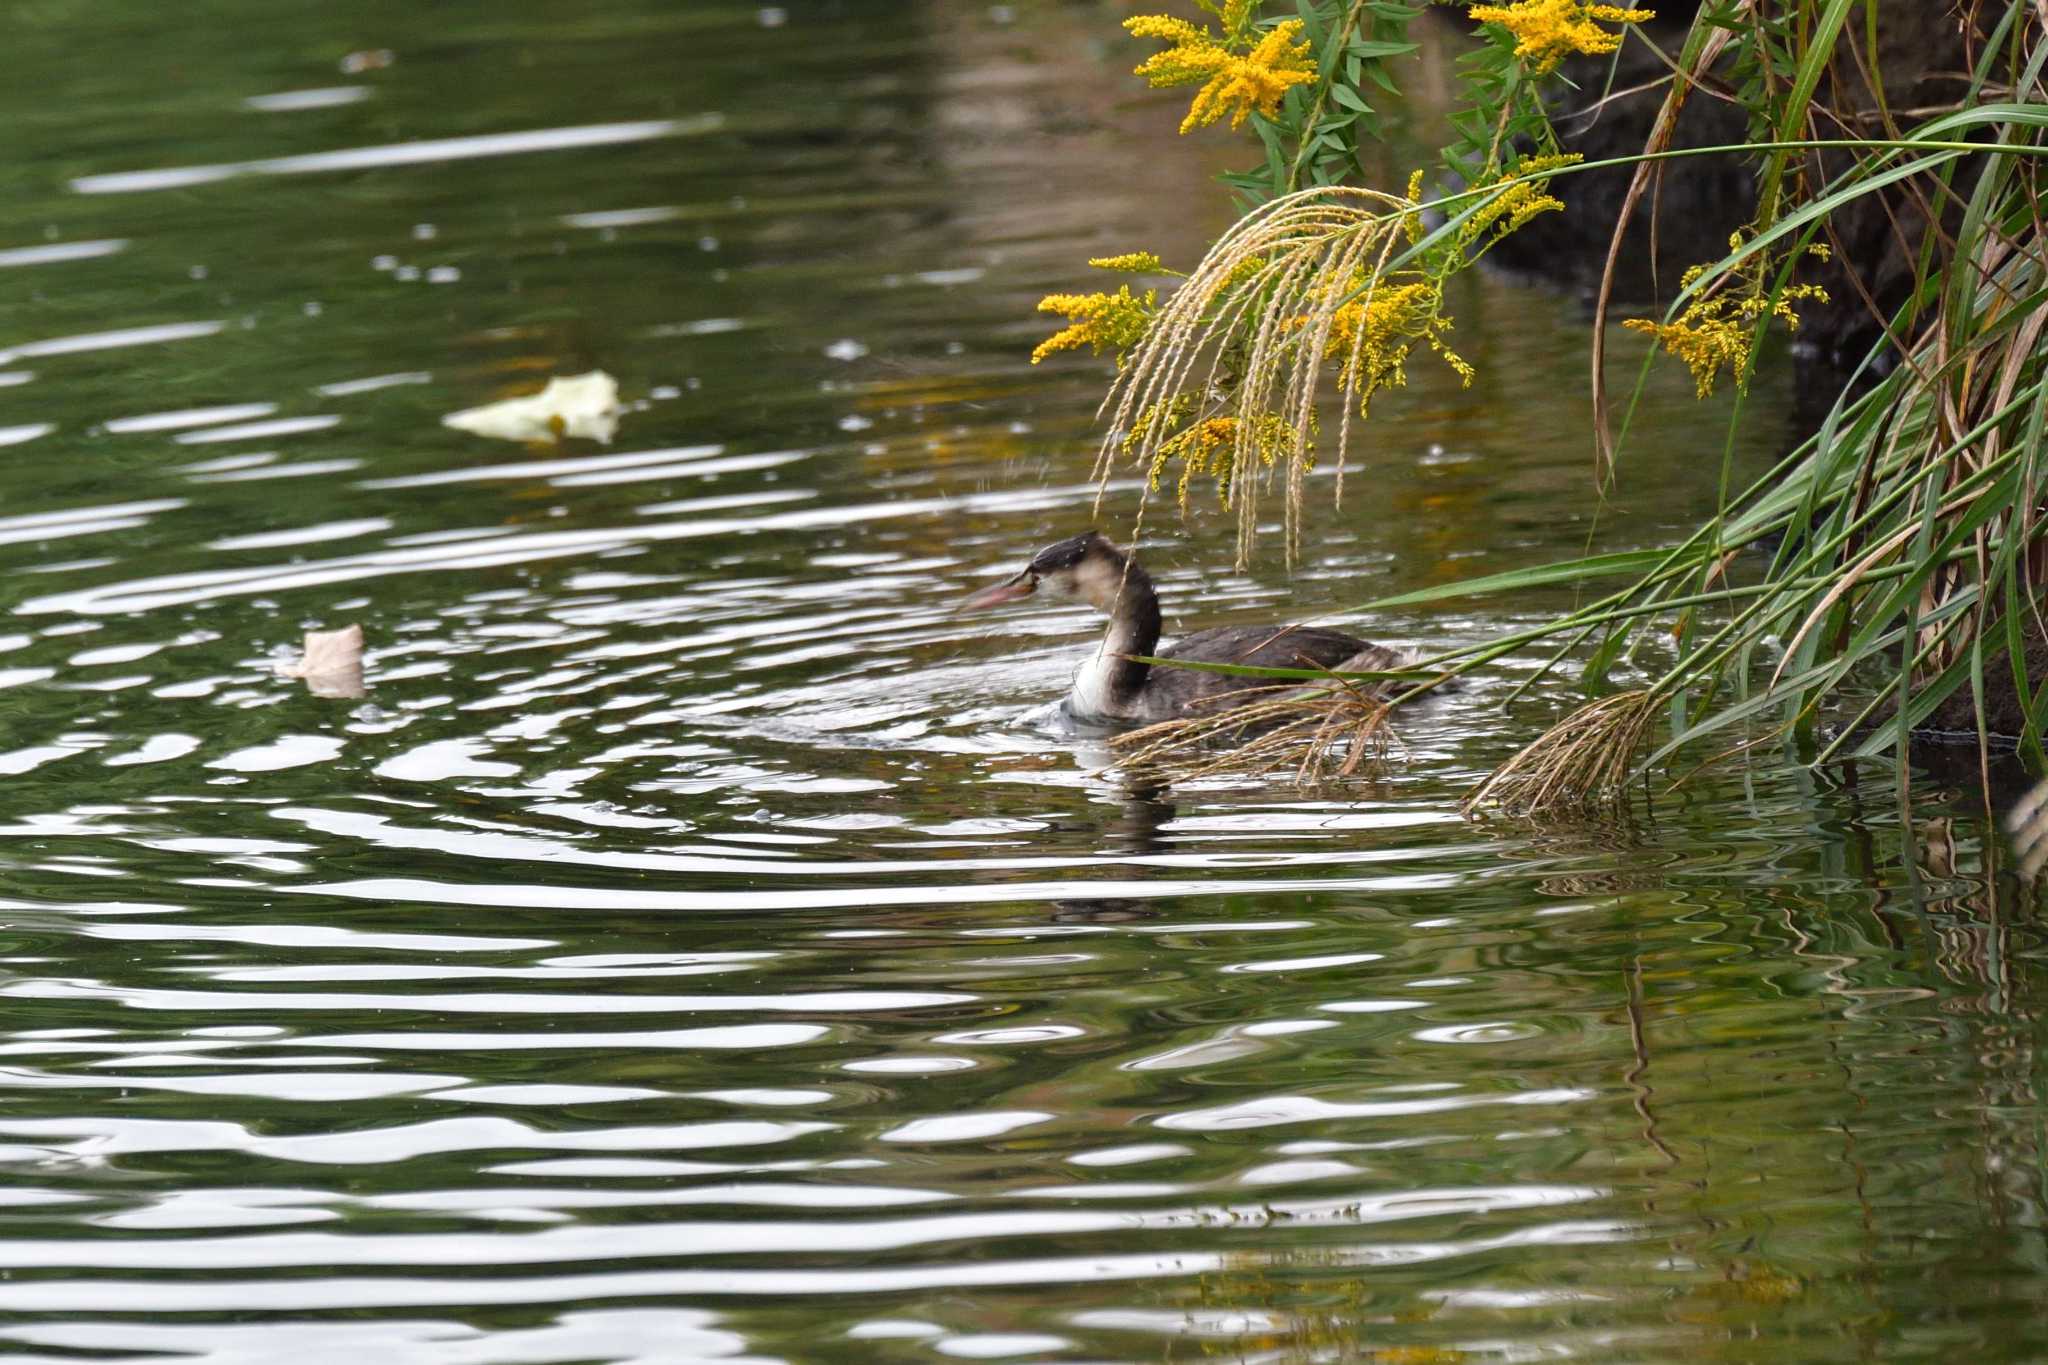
1113	686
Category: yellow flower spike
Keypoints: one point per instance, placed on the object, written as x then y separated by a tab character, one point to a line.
1517	204
1548	31
1113	321
1232	83
1715	334
1132	263
1371	337
1209	446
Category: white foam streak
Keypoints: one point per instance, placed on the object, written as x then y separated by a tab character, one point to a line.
402	154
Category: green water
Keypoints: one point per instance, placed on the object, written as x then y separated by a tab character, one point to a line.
684	951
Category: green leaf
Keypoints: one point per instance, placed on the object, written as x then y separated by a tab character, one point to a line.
1571	571
1376	50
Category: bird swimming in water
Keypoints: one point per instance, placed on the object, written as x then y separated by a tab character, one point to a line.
1113	686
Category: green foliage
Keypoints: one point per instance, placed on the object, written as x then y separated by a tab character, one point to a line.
1316	136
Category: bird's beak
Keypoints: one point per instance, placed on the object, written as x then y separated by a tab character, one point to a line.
1023	585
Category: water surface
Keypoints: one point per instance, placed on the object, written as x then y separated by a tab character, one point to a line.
685	950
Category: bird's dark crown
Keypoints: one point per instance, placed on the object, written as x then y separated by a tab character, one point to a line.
1069	553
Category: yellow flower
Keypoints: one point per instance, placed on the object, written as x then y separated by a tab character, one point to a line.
1114	320
1412	226
1372	336
1548	31
1716	333
1233	82
1518	203
1210	446
1132	263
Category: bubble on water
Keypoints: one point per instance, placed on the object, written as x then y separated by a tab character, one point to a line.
443	274
771	16
311	308
406	272
383	263
855	422
197	272
846	348
661	392
707	243
424	232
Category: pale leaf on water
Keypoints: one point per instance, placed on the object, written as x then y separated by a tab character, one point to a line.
584	405
332	665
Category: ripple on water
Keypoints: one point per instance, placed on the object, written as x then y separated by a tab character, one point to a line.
699	944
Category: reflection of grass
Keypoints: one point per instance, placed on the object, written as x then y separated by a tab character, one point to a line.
1303	1321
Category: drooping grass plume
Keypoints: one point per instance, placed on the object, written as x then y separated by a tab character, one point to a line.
1334	280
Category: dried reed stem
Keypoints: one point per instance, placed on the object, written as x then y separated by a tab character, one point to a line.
1322	732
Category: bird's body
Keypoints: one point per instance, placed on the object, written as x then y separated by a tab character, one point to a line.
1113	685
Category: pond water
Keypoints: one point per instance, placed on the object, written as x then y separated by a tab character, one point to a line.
684	951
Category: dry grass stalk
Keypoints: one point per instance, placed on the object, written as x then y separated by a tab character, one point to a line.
1582	762
1322	732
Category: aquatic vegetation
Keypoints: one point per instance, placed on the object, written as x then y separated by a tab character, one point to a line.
1210	446
1903	540
1336	281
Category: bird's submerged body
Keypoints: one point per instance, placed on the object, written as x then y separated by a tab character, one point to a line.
1113	686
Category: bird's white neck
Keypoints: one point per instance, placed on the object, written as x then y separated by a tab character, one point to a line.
1108	682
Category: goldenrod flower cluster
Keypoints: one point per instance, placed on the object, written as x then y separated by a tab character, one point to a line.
1112	321
1716	333
1515	205
1233	82
1210	446
1372	336
1548	31
1132	263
